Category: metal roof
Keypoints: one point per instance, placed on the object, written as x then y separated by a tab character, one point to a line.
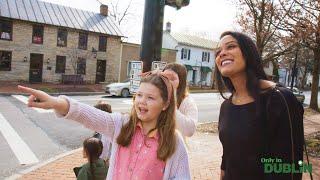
58	15
195	41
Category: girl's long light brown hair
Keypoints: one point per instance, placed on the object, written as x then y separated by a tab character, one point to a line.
165	124
181	71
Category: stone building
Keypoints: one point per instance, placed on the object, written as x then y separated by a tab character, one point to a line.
45	42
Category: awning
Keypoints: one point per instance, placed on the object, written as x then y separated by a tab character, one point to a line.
205	69
188	67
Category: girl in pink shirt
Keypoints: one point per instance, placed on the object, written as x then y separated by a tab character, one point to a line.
145	145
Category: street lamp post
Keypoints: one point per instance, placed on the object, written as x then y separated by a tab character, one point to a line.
201	74
294	70
151	41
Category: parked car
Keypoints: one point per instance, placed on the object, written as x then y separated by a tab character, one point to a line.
119	89
299	94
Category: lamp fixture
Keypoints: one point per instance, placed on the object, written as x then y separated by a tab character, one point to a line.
25	59
94	52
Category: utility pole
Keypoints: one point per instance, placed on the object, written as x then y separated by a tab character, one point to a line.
151	41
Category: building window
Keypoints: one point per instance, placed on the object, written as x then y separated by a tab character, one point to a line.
81	66
5	60
103	43
205	56
185	53
62	37
60	64
37	34
5	30
83	41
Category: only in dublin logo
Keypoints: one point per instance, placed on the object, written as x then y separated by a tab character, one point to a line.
275	165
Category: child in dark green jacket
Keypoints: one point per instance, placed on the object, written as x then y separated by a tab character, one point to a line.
96	168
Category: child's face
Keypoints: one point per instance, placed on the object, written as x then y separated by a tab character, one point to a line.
148	102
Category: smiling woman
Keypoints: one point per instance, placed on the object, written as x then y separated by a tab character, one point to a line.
256	121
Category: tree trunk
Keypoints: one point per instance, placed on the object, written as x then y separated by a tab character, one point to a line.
315	80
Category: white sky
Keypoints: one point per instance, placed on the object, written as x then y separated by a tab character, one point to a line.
201	17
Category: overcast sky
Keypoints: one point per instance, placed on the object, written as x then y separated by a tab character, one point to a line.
202	17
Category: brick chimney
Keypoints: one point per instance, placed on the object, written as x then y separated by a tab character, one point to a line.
168	27
104	10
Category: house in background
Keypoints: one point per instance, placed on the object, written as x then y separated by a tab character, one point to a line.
197	54
131	52
42	42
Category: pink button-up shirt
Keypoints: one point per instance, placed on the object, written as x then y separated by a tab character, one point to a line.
139	160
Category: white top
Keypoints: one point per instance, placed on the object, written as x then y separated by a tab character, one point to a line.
110	124
187	116
106	148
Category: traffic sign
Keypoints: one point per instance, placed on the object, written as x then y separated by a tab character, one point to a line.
158	65
135	78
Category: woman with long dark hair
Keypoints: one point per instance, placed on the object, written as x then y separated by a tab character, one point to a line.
256	124
187	110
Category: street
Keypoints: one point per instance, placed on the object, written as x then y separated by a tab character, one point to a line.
29	136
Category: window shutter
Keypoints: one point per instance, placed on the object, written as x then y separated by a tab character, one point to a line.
182	53
202	55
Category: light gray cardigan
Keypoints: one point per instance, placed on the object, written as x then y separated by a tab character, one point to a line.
109	124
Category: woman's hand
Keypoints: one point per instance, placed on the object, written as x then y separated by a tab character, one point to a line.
40	99
173	77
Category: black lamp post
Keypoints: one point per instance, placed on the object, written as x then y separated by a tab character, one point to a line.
151	41
294	69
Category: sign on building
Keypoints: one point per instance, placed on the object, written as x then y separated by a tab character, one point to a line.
135	71
158	65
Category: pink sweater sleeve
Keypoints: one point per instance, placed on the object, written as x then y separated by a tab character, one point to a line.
93	118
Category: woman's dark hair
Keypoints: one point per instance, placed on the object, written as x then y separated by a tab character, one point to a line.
181	71
93	149
254	69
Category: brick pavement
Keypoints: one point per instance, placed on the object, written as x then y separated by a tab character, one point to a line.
205	155
204	149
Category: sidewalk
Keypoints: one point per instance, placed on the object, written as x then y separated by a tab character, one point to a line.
205	153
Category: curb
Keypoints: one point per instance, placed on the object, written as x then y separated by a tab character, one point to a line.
57	94
203	91
32	168
84	93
